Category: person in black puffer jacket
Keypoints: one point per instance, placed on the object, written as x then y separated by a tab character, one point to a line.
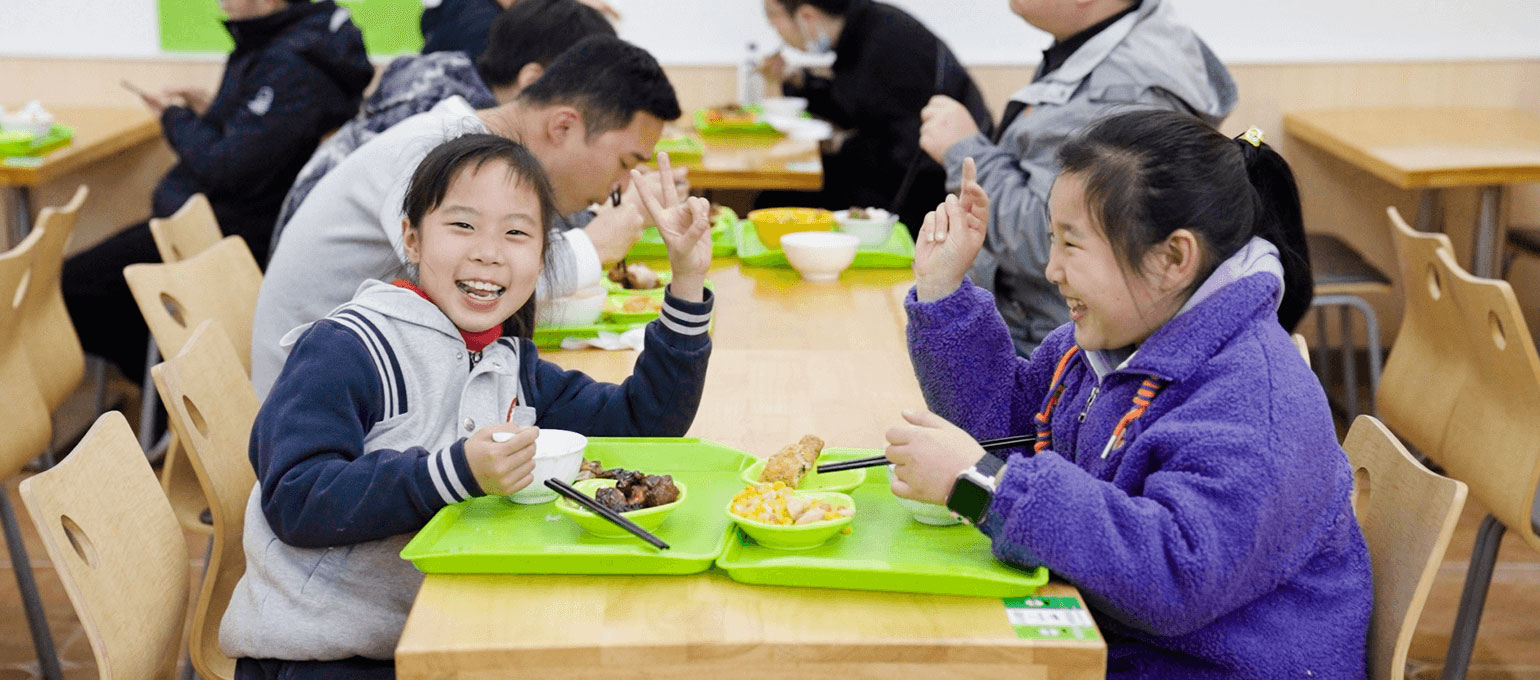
298	71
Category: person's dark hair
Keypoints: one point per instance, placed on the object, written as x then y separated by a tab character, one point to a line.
830	7
535	31
608	80
431	180
1149	173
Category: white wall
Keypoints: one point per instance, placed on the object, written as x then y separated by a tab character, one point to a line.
980	31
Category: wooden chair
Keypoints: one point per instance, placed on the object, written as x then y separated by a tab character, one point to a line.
1492	438
58	362
221	283
212	405
28	430
118	549
1413	406
190	230
1407	514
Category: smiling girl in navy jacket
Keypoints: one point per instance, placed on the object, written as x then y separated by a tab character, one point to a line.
1186	476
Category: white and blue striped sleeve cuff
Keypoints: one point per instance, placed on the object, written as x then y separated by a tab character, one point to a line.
684	317
451	474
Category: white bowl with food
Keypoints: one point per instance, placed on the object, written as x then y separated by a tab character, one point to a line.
820	255
558	455
872	225
581	308
927	513
784	106
31	118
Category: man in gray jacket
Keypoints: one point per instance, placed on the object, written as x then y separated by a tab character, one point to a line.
1107	56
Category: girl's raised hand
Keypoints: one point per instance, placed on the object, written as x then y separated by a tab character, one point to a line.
928	453
950	239
502	467
685	227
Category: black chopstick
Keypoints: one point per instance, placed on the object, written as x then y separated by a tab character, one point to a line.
874	461
604	511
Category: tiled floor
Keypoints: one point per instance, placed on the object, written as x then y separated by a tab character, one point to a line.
1508	647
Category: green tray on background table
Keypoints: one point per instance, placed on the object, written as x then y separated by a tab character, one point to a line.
886	550
492	535
724	242
550	337
27	144
681	149
759	128
896	253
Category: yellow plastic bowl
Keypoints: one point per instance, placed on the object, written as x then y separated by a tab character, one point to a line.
646	518
797	537
773	223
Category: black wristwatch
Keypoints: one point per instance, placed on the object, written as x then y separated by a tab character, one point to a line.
974	490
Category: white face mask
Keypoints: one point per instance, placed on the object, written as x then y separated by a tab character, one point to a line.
815	44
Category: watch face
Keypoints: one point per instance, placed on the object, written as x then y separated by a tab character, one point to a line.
969	499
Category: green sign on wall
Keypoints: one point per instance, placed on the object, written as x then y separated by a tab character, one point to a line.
389	26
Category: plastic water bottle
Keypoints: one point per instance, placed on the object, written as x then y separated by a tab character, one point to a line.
751	85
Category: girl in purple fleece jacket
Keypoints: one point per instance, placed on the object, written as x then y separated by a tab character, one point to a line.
1186	474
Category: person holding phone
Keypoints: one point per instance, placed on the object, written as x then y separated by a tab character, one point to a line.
298	70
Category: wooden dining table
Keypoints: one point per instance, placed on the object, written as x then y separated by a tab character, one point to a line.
100	134
755	163
789	358
1429	149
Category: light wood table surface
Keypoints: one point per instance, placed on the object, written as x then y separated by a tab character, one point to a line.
754	163
1428	149
789	358
100	133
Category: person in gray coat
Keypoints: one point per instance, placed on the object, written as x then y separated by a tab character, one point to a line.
1107	56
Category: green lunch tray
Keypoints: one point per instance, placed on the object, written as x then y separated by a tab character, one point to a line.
26	144
681	149
886	550
550	337
897	253
723	242
759	128
492	535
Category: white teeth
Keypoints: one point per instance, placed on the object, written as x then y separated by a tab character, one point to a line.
480	290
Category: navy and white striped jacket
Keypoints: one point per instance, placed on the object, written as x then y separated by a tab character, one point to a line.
362	440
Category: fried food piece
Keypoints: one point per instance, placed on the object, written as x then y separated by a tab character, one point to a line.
789	464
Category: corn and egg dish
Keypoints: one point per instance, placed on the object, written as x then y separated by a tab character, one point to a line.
780	505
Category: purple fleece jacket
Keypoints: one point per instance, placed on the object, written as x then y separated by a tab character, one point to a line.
1218	541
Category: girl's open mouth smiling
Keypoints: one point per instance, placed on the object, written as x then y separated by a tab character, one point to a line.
480	290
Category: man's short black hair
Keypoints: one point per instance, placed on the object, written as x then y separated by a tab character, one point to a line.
535	31
830	7
608	80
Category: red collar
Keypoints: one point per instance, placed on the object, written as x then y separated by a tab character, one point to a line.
475	341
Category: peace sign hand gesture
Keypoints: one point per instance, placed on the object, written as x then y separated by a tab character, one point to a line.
685	228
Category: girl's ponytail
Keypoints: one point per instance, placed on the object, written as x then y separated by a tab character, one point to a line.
1279	220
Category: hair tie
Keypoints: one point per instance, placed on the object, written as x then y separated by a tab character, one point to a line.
1254	136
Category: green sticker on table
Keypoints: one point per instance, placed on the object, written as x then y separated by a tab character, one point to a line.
1050	618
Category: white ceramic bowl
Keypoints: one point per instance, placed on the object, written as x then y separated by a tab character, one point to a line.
784	106
820	255
873	231
579	309
926	513
20	122
558	455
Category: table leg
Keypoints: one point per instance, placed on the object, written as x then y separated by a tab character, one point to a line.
1484	252
21	213
1427	211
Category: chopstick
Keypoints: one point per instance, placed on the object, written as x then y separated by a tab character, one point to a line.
604	511
874	461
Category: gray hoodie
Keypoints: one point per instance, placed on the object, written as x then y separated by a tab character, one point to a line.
1144	60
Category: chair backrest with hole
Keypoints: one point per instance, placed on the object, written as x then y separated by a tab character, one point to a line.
1407	514
211	405
58	362
220	283
27	425
190	230
1493	437
117	547
1424	370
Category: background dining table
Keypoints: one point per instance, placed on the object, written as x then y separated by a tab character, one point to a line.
789	358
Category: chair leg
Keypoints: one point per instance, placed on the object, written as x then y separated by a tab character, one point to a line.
1349	364
1478	577
188	673
1372	342
1320	347
42	640
148	399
